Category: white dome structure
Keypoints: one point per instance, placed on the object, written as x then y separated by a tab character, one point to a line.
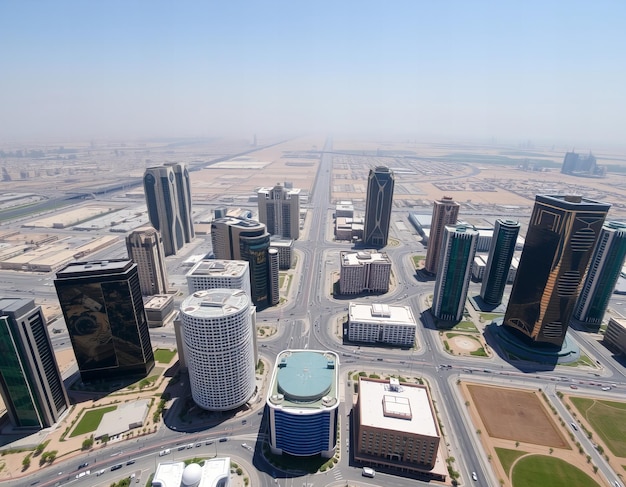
192	475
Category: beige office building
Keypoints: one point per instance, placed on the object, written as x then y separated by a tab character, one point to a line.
364	271
145	248
445	212
381	323
615	335
279	210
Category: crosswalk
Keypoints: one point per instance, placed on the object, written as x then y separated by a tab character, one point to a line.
337	474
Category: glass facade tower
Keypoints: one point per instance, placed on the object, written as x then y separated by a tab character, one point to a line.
499	261
378	206
561	236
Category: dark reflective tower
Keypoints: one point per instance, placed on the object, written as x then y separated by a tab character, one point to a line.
30	381
561	235
105	317
499	261
378	206
604	270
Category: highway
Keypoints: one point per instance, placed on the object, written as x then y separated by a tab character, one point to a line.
307	321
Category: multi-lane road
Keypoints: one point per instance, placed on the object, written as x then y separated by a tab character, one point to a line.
308	320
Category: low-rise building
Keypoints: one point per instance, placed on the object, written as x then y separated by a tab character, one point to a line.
364	271
214	473
217	273
381	323
615	335
160	309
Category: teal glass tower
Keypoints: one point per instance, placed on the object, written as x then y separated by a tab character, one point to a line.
455	270
604	270
499	261
30	381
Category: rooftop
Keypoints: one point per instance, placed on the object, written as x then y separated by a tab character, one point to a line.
381	313
95	267
215	303
363	257
217	267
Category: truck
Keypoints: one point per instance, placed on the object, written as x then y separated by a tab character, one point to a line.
368	472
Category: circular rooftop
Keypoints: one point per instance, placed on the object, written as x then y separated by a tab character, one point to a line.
213	303
305	376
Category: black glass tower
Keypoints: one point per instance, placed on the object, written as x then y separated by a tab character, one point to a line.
378	206
30	381
499	261
103	309
561	236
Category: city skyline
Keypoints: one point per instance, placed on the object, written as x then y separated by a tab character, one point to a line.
477	70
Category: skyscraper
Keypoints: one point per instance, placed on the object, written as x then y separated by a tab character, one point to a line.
30	381
168	197
102	305
604	270
445	212
279	210
560	239
499	261
145	248
378	206
242	239
218	330
455	270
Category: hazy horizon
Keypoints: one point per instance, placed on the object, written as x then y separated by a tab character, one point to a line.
547	72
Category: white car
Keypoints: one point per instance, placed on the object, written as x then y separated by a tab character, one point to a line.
474	476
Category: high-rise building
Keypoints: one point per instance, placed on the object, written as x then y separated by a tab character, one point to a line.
218	333
445	212
30	381
168	197
145	248
364	271
575	164
560	239
273	262
279	210
604	270
499	261
106	320
455	270
242	239
217	273
378	206
381	323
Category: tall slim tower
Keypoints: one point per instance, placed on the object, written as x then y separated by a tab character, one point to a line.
279	210
560	239
604	270
445	212
499	261
242	239
102	305
145	248
378	206
455	270
30	382
168	197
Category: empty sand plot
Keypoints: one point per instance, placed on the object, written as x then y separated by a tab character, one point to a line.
515	415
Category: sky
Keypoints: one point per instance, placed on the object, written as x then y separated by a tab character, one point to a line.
531	70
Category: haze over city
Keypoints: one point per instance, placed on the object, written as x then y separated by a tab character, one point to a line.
540	71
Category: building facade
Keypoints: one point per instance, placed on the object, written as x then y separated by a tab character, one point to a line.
396	427
364	271
274	266
217	273
615	335
106	320
499	261
559	243
145	248
243	239
381	323
445	212
30	381
285	249
303	403
168	198
378	206
455	270
279	210
604	270
218	332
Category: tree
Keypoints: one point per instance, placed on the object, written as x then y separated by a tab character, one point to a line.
105	438
40	448
26	462
88	443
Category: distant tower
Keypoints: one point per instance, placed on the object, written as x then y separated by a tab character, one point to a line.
559	244
168	197
145	248
445	212
103	309
378	206
218	330
279	210
30	381
604	270
455	270
499	261
242	239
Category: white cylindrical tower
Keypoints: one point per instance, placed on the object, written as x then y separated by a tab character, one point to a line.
219	347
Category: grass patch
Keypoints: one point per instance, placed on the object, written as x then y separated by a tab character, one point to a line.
608	419
536	470
507	458
164	355
281	279
91	420
479	353
416	260
466	326
583	360
490	316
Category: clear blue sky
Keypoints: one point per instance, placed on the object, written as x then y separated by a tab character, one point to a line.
539	70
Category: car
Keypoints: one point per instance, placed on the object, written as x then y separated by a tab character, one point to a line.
474	476
83	465
573	386
165	452
222	440
244	421
181	447
208	442
574	427
190	445
368	472
379	359
198	444
606	388
116	467
100	472
130	462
